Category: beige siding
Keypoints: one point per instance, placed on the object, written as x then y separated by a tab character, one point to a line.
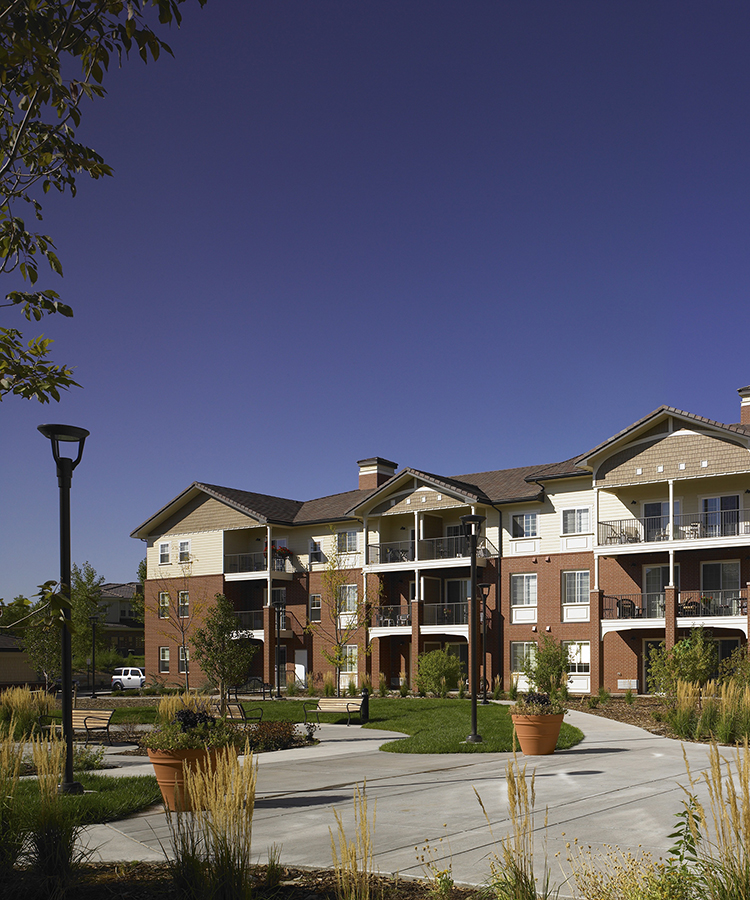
682	447
206	555
205	514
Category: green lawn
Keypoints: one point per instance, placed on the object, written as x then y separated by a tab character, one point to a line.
111	798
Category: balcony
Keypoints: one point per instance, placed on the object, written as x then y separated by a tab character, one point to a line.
687	527
440	549
690	604
250	619
446	613
243	563
391	617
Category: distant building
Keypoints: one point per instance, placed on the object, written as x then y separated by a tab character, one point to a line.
123	632
629	544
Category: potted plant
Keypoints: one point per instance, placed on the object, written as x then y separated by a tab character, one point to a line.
192	739
537	716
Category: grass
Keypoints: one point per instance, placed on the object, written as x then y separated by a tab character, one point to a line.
110	798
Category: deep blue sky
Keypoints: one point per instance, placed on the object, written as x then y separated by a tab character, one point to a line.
460	235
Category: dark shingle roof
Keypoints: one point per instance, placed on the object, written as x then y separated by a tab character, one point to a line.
259	506
120	591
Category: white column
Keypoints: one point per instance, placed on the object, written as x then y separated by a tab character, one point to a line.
596	526
365	550
671	515
269	575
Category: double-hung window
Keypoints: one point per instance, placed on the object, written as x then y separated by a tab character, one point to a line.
183	663
164	659
349	662
579	657
184	551
163	605
316	552
575	586
183	604
316	608
346	541
164	553
347	598
576	521
523	590
520	651
524	525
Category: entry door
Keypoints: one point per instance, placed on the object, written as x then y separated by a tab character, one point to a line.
656	519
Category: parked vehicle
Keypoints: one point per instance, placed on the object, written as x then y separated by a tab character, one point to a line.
126	678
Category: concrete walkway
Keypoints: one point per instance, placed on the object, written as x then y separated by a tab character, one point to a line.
620	785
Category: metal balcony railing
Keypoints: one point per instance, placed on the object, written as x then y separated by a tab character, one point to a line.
446	613
391	616
236	563
250	619
428	549
685	527
634	606
712	603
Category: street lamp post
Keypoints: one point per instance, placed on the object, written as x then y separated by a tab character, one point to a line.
58	434
277	604
472	525
93	619
484	590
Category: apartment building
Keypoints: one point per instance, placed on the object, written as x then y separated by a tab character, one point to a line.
635	542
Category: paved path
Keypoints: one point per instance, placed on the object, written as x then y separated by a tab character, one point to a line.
620	785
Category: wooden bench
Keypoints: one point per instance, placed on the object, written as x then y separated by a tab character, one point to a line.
346	705
235	712
88	720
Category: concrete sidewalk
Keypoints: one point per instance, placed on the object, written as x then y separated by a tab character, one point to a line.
620	785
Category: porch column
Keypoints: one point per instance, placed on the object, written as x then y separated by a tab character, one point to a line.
596	668
671	526
269	573
417	618
671	569
417	535
365	549
670	616
596	526
269	644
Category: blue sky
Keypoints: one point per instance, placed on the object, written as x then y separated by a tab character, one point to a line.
459	235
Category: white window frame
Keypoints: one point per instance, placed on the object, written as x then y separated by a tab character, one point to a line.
183	604
580	594
346	541
347	600
315	613
529	579
578	525
721	563
183	659
524	525
316	551
164	553
529	648
184	552
164	602
164	660
350	659
577	653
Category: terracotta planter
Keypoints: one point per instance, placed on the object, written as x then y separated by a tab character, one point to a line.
170	776
537	735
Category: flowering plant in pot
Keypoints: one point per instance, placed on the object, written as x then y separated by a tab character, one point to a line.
537	716
192	739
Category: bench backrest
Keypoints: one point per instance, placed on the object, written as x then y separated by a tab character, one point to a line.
339	703
92	716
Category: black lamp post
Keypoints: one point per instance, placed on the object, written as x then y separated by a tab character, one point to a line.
484	590
93	619
277	604
73	435
472	526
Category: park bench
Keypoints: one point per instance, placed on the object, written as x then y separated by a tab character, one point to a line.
235	712
88	720
346	705
253	685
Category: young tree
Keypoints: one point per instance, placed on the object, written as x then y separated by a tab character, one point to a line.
224	657
41	42
86	600
344	612
547	668
40	638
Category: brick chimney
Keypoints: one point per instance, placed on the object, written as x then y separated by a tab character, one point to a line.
744	405
375	471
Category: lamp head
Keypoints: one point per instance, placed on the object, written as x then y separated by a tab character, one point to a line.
472	524
70	434
484	590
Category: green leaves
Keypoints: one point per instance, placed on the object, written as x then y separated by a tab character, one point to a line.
39	110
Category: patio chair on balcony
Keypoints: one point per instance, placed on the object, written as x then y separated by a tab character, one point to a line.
626	609
404	619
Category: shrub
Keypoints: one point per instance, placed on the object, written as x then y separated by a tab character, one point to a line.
692	659
12	830
292	688
328	688
604	696
403	686
436	671
497	688
629	698
382	686
264	736
547	669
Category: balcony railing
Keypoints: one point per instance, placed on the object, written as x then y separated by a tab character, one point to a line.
446	613
686	527
235	563
391	616
427	549
690	604
250	619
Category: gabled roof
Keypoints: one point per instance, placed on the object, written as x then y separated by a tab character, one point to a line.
649	420
127	591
